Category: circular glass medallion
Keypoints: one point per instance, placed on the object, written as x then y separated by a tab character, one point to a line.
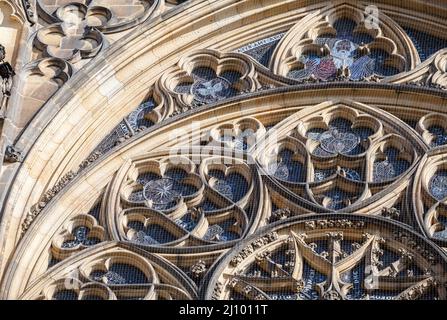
161	191
209	91
334	141
438	186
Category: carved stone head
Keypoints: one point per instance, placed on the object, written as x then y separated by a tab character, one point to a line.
2	53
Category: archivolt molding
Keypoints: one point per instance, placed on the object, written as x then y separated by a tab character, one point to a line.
202	77
331	257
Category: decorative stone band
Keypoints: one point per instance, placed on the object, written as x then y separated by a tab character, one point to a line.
45	199
249	249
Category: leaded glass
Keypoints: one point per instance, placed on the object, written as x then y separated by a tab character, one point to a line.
347	49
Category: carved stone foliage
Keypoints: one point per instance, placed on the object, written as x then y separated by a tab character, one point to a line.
144	116
29	7
332	258
45	199
113	272
335	156
431	73
13	155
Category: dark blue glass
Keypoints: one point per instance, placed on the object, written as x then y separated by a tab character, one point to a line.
425	44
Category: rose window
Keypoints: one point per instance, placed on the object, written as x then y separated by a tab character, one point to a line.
301	264
243	151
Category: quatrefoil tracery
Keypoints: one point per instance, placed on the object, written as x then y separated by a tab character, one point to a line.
101	14
337	157
173	201
208	76
76	29
74	37
339	43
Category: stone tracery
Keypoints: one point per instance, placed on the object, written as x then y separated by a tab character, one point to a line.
355	154
304	265
338	156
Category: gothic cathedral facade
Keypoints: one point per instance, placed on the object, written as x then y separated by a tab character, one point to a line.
223	149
